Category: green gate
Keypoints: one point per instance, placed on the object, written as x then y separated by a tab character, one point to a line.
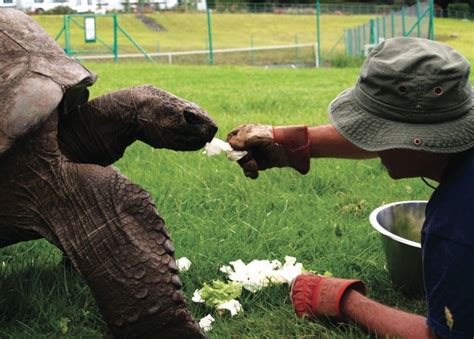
81	38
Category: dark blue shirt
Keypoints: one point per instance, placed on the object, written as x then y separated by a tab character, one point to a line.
448	251
450	211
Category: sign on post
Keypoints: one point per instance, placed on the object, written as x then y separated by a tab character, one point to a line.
89	29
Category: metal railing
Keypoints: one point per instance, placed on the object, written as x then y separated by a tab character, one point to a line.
294	55
415	21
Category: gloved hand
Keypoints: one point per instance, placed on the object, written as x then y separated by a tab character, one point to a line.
269	147
318	296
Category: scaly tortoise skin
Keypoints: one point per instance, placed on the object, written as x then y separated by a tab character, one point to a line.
56	149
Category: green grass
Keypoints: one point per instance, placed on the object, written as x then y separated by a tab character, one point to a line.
216	215
458	34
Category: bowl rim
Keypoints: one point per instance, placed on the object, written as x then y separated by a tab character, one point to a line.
375	224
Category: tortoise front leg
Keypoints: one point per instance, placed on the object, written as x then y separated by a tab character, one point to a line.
115	238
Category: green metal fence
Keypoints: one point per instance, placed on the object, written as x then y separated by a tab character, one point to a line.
309	44
268	7
298	51
104	39
281	54
413	21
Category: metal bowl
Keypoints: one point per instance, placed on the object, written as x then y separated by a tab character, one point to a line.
399	224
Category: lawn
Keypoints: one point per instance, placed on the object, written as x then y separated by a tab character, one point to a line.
216	215
459	34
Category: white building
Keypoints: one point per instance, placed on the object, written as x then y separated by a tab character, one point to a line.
39	6
82	6
7	3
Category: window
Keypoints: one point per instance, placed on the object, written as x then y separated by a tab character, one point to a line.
78	2
7	1
39	1
89	2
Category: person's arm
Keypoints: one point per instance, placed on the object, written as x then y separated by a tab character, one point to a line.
290	146
326	142
338	299
382	320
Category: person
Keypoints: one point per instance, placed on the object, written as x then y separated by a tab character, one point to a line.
412	107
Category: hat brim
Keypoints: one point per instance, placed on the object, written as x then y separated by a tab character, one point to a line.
375	134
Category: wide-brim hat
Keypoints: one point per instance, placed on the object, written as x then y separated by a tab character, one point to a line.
411	94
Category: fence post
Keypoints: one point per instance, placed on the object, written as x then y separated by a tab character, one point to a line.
377	30
392	16
347	42
431	33
418	15
318	9
384	24
372	31
297	52
350	42
364	34
209	31
115	39
316	61
252	52
357	42
67	41
403	21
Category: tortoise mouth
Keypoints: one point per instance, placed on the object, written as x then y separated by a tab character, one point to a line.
196	141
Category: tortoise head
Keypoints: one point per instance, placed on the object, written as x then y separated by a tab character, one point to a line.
168	121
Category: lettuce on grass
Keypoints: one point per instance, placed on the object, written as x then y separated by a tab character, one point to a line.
206	323
259	274
253	277
219	292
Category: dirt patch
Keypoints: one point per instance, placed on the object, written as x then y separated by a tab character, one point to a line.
151	23
446	37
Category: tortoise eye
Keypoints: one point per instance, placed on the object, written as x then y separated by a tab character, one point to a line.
192	118
438	90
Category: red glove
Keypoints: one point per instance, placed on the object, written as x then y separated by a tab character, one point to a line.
295	140
316	295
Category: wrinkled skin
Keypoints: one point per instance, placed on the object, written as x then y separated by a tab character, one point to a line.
57	184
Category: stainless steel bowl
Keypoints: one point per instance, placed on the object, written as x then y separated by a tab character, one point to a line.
399	224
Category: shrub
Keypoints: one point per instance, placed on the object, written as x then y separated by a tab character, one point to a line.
461	7
61	10
459	10
341	61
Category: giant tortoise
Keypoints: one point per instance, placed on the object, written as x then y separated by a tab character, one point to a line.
56	182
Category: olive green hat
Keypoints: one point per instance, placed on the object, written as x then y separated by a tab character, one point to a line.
411	94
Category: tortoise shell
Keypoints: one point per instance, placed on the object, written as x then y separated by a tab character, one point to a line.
35	76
